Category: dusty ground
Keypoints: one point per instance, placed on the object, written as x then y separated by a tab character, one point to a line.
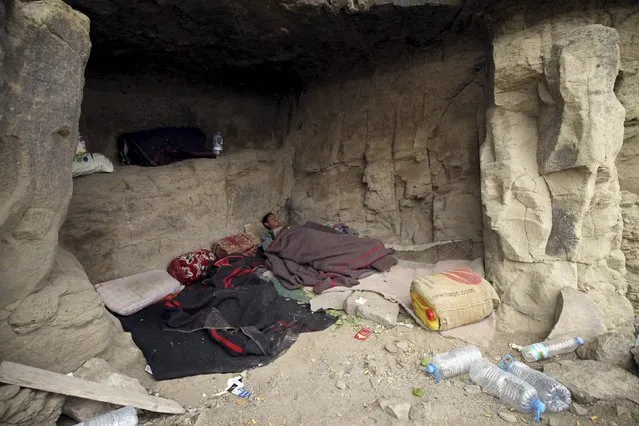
301	387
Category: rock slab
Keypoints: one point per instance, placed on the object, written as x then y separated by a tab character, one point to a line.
399	409
98	370
590	381
612	348
372	306
577	315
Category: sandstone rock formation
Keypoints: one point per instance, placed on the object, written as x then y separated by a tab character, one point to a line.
99	371
590	381
549	181
22	406
50	316
610	348
627	89
373	151
394	153
139	218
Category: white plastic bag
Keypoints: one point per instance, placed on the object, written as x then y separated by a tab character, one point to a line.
85	163
91	163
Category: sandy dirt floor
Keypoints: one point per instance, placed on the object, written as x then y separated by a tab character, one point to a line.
330	378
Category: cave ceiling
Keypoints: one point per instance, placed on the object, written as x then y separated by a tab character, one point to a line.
278	43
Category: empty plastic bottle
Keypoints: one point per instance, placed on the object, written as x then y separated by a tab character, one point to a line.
507	387
126	416
452	363
552	393
218	143
544	350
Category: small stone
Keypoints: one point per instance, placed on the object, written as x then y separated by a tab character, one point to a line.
391	347
578	409
554	422
472	389
341	384
403	345
510	418
374	383
419	412
401	410
622	411
356	371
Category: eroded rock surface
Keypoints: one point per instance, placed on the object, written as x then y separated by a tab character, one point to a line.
394	153
611	348
50	316
99	371
549	180
591	381
139	218
26	407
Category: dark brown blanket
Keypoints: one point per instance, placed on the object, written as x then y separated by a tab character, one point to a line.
314	255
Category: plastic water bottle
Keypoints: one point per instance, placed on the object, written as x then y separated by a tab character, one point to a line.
507	387
126	416
452	363
218	143
544	350
552	393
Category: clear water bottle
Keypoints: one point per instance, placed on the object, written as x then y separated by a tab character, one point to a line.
126	416
452	363
507	387
544	350
552	393
218	143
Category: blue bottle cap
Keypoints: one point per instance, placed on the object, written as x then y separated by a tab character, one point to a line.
430	368
580	340
538	408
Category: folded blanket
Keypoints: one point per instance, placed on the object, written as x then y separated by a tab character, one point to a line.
315	255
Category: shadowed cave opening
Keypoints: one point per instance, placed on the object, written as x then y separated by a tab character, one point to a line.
369	115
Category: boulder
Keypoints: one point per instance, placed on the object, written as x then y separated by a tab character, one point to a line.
577	316
78	328
26	407
611	348
98	370
372	306
46	46
591	381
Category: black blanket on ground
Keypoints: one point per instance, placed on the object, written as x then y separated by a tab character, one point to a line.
229	322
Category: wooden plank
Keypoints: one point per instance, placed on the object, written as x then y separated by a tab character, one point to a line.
35	378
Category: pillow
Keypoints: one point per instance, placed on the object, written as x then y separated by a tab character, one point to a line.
255	229
128	295
190	267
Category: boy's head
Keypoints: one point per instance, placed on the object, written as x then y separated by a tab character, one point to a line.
270	221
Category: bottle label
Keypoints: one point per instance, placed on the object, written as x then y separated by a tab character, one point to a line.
539	351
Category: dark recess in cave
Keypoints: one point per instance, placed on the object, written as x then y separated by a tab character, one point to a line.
269	46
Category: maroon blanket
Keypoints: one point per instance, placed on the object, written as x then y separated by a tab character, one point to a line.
312	254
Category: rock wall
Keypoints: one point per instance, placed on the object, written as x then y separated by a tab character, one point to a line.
50	316
394	152
139	218
549	180
116	104
627	24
